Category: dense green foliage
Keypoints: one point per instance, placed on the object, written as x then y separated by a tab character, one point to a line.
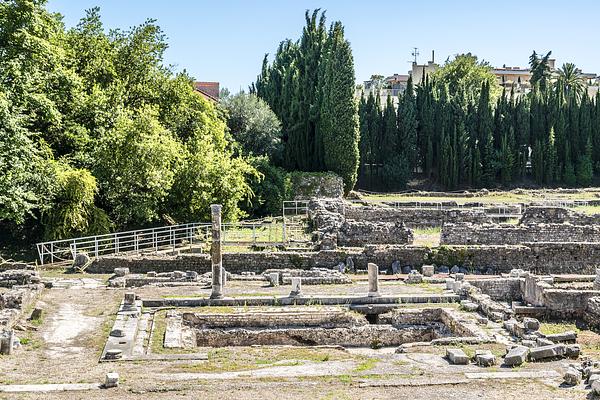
310	87
459	133
253	125
97	134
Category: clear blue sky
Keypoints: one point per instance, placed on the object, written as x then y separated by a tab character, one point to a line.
225	40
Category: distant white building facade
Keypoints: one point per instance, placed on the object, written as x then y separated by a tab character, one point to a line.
516	79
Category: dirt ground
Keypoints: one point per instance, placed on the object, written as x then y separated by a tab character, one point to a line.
64	347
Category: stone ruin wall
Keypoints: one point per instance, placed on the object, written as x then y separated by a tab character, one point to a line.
361	233
493	234
540	258
416	217
500	289
333	228
557	215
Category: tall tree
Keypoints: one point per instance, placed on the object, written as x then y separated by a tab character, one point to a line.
339	111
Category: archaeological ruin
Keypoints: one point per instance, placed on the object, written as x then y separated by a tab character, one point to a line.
476	292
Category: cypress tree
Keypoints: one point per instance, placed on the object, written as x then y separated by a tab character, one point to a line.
485	135
339	112
407	126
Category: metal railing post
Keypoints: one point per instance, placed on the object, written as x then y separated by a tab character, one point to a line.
96	246
51	253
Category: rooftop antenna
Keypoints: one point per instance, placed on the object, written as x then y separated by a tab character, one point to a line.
415	54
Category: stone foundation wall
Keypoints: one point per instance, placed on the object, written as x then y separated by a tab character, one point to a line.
493	234
360	233
501	289
416	217
361	336
539	258
284	318
557	215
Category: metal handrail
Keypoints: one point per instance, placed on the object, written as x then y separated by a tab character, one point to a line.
163	238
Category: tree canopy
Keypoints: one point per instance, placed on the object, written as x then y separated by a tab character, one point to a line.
97	134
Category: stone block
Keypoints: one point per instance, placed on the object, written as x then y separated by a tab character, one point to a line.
596	388
111	380
593	378
396	268
485	358
178	275
516	356
573	350
443	270
564	337
449	283
459	276
544	342
296	287
529	343
113	354
36	314
191	275
273	278
414	277
428	270
469	306
457	356
547	352
572	377
121	271
129	298
151	274
531	324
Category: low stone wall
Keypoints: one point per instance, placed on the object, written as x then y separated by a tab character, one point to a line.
567	304
14	265
285	317
14	301
539	258
493	234
557	215
500	289
361	336
360	233
416	217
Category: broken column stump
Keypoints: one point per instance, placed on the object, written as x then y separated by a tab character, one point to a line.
373	280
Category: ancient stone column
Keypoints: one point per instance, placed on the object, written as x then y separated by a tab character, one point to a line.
373	280
216	253
597	280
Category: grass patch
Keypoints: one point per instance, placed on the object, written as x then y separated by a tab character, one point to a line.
491	197
230	359
366	365
549	328
429	288
435	230
590	210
